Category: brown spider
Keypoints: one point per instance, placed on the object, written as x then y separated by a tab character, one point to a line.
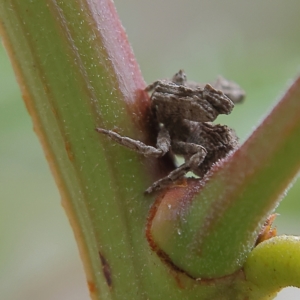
183	112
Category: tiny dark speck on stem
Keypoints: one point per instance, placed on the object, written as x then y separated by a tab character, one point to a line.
106	270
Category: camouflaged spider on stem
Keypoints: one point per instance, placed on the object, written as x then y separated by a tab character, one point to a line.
183	112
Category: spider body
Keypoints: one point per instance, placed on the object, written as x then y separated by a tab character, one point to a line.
183	113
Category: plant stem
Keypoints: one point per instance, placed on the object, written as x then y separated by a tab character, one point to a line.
213	224
77	72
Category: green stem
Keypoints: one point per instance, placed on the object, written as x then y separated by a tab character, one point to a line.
77	72
264	268
209	228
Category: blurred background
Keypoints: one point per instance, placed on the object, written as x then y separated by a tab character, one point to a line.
255	43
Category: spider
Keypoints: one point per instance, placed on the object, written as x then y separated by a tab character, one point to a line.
183	112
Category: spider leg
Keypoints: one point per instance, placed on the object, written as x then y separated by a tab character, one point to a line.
231	89
198	154
163	142
152	86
